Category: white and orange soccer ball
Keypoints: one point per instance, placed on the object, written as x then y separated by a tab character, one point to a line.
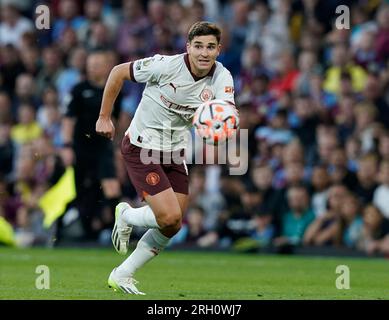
216	121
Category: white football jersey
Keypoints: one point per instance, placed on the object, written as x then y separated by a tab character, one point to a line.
170	98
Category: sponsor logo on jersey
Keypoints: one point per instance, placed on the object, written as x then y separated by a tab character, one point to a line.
206	94
138	65
153	178
175	106
229	89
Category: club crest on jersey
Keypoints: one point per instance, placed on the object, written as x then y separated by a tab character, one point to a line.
153	178
206	94
229	89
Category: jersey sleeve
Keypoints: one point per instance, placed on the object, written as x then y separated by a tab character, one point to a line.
148	69
225	87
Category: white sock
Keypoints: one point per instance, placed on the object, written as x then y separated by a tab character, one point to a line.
140	217
152	242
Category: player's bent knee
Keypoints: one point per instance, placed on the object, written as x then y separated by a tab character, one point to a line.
171	230
170	221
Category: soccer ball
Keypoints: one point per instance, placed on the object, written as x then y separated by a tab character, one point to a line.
216	121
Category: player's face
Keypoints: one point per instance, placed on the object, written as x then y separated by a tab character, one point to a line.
203	51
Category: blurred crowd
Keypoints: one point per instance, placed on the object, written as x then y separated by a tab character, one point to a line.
314	99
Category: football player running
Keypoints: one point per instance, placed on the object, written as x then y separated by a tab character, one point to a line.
175	87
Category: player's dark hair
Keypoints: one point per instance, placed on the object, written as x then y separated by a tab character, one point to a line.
204	28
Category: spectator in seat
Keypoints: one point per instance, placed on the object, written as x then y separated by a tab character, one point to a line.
367	173
27	128
351	221
193	228
381	194
383	146
375	232
339	173
320	183
325	230
296	221
341	62
264	229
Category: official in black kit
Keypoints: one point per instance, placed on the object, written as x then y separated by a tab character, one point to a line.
92	155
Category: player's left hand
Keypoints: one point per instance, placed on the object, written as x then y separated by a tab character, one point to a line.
105	127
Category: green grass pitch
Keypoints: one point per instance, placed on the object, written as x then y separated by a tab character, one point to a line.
82	274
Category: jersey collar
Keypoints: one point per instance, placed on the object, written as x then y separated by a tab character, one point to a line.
196	78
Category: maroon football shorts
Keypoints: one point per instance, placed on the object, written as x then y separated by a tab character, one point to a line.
156	176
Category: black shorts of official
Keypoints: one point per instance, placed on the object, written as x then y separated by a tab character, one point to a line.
95	163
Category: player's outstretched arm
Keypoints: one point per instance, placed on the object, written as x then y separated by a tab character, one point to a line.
118	74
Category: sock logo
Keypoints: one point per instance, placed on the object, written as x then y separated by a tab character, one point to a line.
155	250
153	178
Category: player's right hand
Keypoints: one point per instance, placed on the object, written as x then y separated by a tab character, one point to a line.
105	127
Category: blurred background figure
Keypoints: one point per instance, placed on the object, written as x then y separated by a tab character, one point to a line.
13	25
325	230
375	237
381	194
295	221
92	155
